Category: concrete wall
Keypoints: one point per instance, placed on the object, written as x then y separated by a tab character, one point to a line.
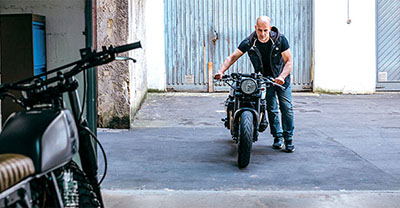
113	78
138	70
156	74
122	85
345	53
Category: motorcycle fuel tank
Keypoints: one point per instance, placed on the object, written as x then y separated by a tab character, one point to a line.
48	136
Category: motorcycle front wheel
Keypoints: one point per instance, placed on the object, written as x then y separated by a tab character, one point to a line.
246	131
75	188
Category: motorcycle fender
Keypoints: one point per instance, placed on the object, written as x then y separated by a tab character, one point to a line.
239	112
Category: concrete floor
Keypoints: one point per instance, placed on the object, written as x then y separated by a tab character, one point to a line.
252	199
347	153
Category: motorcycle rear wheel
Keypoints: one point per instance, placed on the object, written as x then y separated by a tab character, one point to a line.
246	131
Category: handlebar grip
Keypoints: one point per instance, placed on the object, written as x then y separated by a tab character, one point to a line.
280	86
223	77
127	47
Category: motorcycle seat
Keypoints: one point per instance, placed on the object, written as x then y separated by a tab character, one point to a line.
14	168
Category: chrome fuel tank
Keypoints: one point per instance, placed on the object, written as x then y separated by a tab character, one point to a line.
48	136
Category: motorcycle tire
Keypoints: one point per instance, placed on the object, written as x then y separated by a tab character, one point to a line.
87	196
246	131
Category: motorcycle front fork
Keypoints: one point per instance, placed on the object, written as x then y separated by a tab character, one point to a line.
228	121
87	151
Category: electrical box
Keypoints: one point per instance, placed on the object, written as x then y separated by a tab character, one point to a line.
22	52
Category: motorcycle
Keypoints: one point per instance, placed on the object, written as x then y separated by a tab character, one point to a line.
245	110
37	144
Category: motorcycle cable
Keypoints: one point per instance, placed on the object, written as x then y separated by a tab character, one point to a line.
89	131
102	150
14	99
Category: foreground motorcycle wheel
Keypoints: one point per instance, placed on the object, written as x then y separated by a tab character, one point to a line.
75	188
246	131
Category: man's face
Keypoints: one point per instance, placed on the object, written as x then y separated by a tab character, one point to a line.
262	29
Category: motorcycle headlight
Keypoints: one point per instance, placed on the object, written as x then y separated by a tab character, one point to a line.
249	86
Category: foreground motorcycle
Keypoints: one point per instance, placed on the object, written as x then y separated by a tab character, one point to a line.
245	109
37	144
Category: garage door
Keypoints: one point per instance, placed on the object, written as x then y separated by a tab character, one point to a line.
200	34
388	45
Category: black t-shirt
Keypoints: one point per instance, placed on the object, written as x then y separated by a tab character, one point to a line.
265	50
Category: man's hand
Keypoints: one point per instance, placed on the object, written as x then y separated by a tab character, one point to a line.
227	63
218	75
279	80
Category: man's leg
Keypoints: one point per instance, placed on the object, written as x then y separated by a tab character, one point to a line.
264	122
286	107
273	118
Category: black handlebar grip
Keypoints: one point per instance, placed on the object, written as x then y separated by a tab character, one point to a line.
280	86
127	47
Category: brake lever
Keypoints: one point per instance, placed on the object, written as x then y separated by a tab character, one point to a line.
124	58
272	81
225	79
280	86
276	84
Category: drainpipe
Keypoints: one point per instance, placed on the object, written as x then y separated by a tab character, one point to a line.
90	32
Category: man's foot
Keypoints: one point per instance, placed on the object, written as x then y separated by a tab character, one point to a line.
278	143
226	122
263	126
289	147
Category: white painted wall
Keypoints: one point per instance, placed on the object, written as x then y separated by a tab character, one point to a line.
65	23
155	52
138	71
345	53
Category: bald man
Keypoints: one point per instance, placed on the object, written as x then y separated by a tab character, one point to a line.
270	55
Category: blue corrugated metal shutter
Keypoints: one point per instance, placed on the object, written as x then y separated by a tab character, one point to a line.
191	26
388	44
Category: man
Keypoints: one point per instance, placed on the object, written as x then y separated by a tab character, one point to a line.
269	53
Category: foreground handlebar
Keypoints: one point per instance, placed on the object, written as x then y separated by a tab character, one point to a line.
89	59
270	80
225	76
124	48
280	86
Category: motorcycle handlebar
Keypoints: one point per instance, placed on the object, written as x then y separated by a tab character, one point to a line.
127	47
223	77
278	85
269	80
92	59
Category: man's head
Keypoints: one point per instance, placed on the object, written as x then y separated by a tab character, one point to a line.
263	26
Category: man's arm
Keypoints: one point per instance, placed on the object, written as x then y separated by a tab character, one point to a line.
228	62
287	58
